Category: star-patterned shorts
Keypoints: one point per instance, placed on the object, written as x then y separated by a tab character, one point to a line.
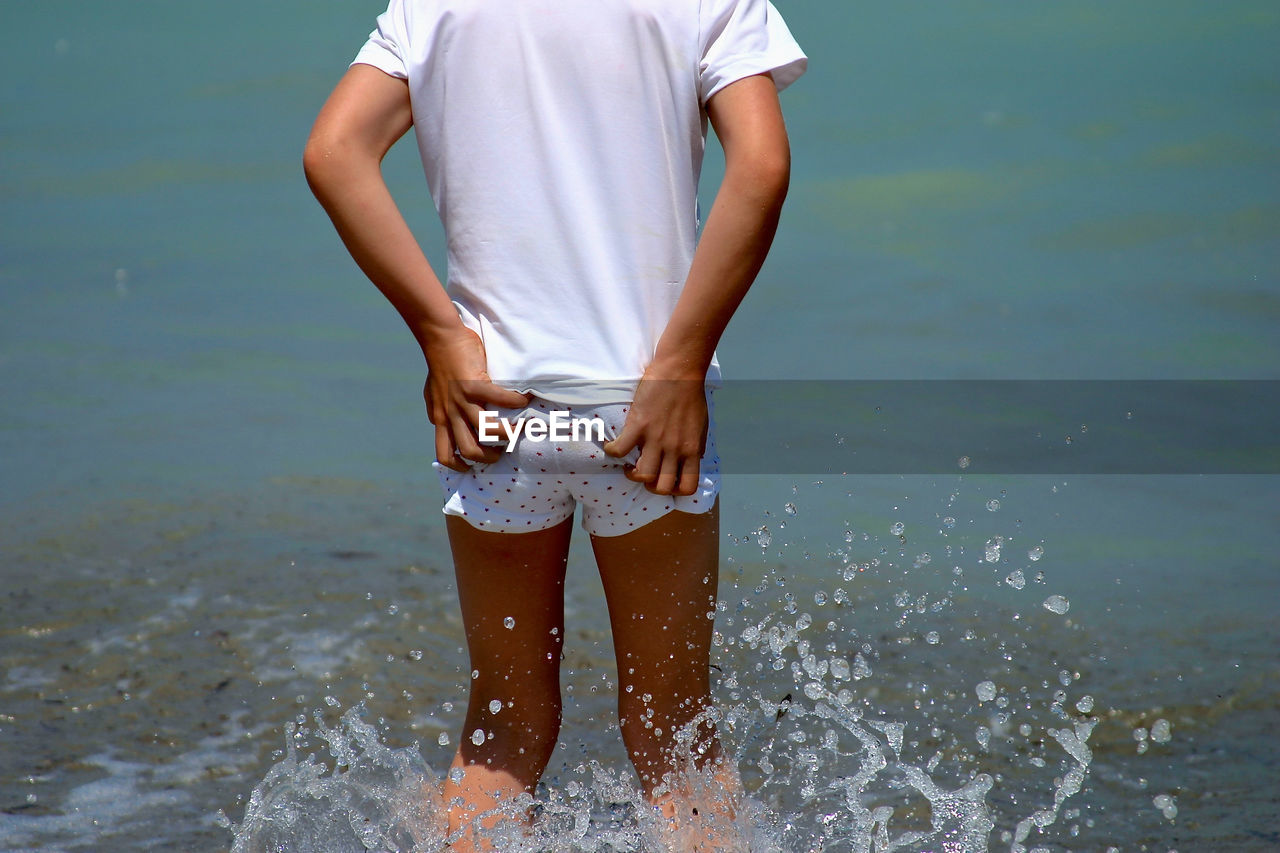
539	483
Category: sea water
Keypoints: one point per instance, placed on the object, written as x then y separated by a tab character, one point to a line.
216	513
870	692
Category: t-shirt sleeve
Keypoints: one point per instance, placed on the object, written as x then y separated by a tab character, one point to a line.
741	38
385	49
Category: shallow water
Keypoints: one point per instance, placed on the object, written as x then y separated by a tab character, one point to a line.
216	516
142	700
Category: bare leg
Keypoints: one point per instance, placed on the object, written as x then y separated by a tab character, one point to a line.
504	576
660	585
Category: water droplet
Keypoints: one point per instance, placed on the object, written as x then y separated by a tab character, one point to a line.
1035	553
393	609
922	560
495	705
932	638
993	505
1161	731
456	775
1016	579
331	702
443	740
949	523
897	528
963	462
848	535
991	551
840	669
763	537
1165	804
416	654
1084	704
986	691
1057	604
819	598
789	508
509	622
477	737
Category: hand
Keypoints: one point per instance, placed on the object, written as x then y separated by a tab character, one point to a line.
668	422
457	388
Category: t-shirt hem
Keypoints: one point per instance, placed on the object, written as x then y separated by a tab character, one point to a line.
377	57
784	72
589	392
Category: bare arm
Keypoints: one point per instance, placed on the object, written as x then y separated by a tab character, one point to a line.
668	419
364	116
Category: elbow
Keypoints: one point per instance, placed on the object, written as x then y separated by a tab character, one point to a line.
330	158
317	162
764	175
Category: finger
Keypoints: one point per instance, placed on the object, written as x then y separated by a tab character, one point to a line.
444	451
495	396
646	469
668	475
626	442
690	477
467	443
488	450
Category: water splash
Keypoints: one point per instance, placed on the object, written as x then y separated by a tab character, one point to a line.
366	797
849	730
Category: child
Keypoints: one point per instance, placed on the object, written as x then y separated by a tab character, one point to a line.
562	142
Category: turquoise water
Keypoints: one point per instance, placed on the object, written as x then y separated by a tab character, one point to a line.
215	508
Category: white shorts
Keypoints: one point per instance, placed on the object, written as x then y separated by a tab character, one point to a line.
539	483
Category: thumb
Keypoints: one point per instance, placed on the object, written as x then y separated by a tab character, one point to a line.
626	442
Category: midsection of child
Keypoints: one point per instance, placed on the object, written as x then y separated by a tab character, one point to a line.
553	461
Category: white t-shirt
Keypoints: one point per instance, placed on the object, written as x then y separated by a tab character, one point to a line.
562	142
